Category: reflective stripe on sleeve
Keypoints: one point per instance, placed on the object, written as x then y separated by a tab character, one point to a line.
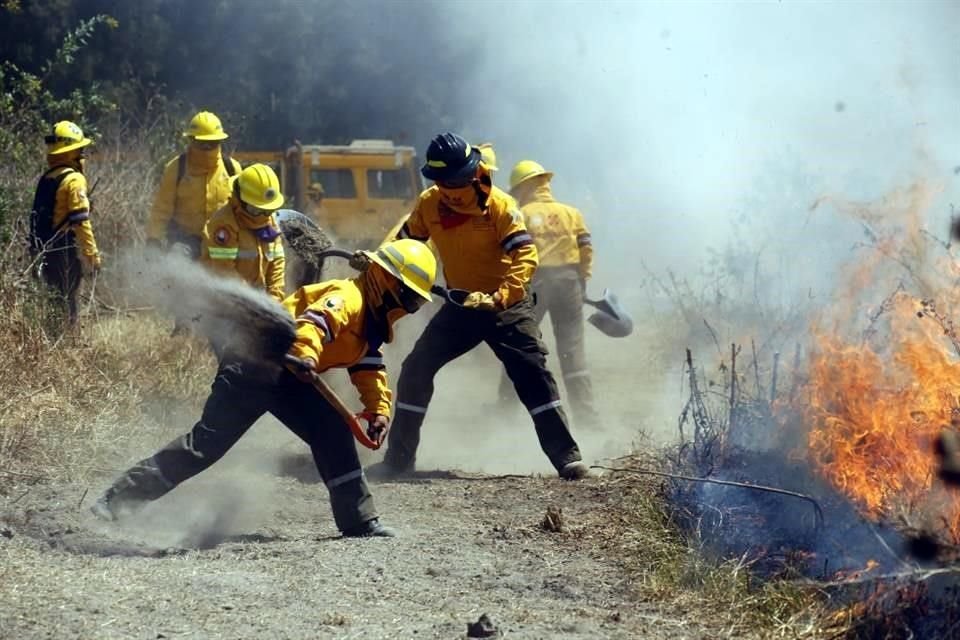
276	251
516	240
345	478
584	240
369	363
78	216
223	253
411	407
545	407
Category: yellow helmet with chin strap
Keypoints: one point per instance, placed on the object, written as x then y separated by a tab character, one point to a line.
66	137
410	261
259	186
205	127
488	156
524	170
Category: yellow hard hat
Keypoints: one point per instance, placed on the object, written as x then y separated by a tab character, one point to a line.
409	260
258	186
205	126
66	137
526	169
488	156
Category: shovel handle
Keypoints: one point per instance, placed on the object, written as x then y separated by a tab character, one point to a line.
330	396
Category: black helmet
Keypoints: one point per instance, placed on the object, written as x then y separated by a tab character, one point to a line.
450	158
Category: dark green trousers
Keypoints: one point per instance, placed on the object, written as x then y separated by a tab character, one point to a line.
559	294
514	337
238	399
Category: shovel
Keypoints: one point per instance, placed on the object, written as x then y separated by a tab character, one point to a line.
610	318
370	437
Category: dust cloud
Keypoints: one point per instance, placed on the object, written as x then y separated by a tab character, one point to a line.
695	137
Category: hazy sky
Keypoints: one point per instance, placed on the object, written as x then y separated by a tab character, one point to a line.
662	119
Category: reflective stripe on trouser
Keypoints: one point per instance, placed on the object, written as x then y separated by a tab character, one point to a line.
235	403
515	339
558	293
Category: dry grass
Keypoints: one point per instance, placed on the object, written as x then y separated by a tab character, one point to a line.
663	567
72	400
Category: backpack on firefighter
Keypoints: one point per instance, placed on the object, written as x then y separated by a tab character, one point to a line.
44	236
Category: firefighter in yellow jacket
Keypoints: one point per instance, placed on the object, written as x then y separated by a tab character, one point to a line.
194	185
61	235
243	239
339	324
566	261
485	249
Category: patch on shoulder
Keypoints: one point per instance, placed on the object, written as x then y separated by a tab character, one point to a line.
333	303
222	235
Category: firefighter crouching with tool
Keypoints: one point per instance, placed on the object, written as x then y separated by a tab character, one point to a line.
61	235
484	246
339	323
566	261
194	185
242	238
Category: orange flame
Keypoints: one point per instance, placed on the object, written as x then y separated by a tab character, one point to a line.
874	405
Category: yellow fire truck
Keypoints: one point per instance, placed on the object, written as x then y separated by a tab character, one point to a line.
355	192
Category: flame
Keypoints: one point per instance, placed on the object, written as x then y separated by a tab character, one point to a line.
874	403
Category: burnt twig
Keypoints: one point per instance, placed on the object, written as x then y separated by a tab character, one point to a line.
818	511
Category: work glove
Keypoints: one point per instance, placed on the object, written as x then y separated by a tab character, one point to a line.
482	301
377	427
360	261
303	369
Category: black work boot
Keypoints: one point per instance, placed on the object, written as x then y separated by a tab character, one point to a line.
138	486
113	505
369	529
387	470
575	471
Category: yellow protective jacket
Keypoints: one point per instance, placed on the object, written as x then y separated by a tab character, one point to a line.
231	246
489	250
561	236
72	208
332	329
203	188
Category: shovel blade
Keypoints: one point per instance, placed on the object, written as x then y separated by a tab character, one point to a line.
610	317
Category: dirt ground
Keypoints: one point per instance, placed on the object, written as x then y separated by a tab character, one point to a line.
249	550
205	564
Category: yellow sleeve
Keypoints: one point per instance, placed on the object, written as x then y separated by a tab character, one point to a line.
415	227
317	325
369	376
163	203
585	244
275	283
517	243
78	212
